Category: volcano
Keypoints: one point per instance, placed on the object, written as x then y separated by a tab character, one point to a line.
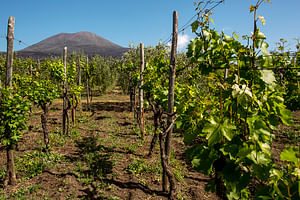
83	42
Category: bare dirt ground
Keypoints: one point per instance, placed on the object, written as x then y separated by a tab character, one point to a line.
102	158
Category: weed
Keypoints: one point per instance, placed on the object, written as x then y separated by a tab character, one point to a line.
82	119
111	197
56	140
93	126
130	148
2	172
70	196
2	194
178	169
142	181
21	193
149	129
138	167
32	164
54	108
75	133
135	130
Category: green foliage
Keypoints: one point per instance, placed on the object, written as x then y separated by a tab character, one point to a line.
235	125
53	70
14	111
155	77
104	74
284	181
286	68
128	71
291	154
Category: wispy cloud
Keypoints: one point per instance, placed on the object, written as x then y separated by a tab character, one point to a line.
183	40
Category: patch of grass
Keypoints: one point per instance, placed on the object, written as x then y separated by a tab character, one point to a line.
82	119
56	140
75	133
140	166
54	108
2	172
181	196
21	193
178	169
71	196
131	148
33	164
110	197
149	129
3	196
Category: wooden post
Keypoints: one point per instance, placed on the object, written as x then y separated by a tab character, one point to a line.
165	148
172	73
87	85
73	110
39	65
30	70
10	177
79	83
141	95
135	103
30	73
10	51
225	73
65	111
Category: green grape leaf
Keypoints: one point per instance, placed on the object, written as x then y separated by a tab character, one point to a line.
285	115
216	130
195	25
259	158
204	159
290	154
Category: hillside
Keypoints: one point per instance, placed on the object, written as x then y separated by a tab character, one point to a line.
81	42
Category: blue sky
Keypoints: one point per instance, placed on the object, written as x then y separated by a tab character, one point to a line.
135	21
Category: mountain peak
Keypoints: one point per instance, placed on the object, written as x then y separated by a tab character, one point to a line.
81	42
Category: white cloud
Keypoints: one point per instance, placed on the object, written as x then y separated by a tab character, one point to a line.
183	40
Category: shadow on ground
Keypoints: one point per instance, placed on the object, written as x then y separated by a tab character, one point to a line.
97	164
109	106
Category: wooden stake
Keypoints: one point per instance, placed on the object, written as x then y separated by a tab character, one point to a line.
165	151
73	110
10	51
172	73
39	65
65	111
10	177
141	95
79	83
87	85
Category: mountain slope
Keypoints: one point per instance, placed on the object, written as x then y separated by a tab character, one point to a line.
81	42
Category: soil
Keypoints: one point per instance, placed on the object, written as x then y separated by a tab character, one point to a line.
104	157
